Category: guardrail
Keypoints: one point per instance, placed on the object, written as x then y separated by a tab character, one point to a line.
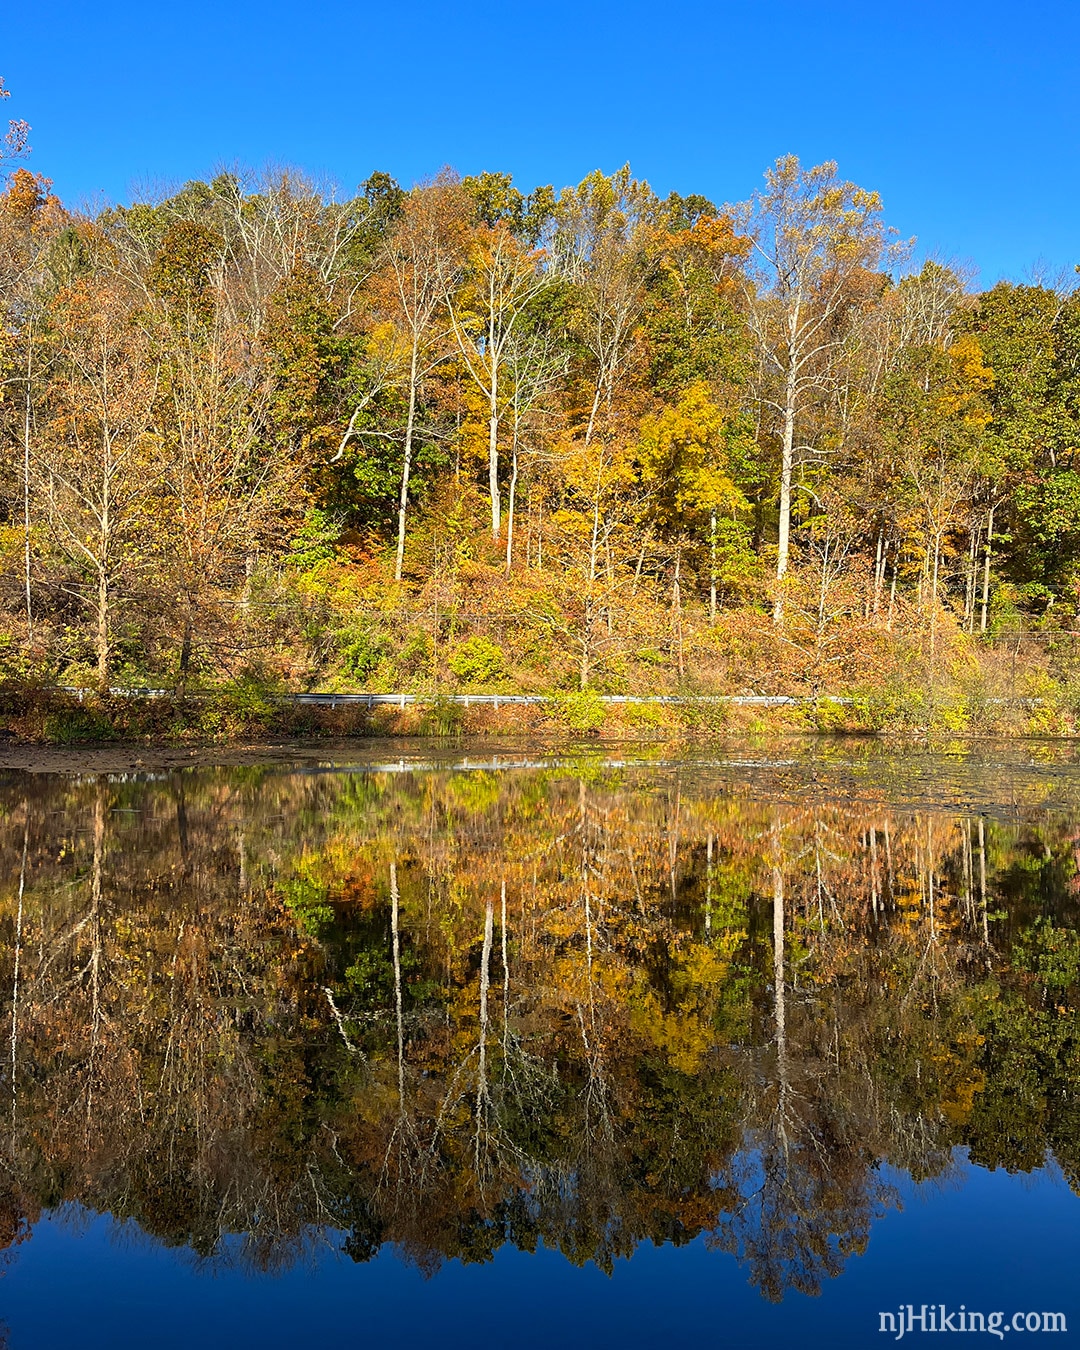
334	700
496	701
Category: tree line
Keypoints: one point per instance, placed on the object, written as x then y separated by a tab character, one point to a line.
466	434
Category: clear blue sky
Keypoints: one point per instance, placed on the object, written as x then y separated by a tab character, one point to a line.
964	116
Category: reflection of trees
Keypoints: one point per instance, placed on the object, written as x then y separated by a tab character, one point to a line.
448	1011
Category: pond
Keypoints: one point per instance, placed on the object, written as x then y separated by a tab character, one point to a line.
758	1046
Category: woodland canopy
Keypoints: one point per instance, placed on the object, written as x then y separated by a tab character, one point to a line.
470	436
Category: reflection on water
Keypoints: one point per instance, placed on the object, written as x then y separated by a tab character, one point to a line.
442	1011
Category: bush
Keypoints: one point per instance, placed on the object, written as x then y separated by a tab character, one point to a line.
582	710
251	700
77	726
363	653
443	718
477	661
416	653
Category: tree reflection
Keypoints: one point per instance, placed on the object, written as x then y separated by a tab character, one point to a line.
448	1011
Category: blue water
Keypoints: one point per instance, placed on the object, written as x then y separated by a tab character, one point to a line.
985	1239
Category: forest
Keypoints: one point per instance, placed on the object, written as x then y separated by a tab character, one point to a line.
259	1012
464	436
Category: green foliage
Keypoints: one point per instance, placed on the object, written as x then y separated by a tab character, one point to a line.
442	717
1052	954
477	660
582	710
75	725
252	699
182	274
308	902
371	975
416	654
1049	517
315	542
363	652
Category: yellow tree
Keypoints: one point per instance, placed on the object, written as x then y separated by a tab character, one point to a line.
600	246
30	220
688	455
502	278
935	413
100	464
814	237
420	258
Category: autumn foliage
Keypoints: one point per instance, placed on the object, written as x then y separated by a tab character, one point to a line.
631	444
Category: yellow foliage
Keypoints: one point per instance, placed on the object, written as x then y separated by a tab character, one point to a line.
683	452
969	379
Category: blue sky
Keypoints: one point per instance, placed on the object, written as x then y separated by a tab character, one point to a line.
963	116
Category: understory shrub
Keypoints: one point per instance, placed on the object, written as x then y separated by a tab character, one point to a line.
477	660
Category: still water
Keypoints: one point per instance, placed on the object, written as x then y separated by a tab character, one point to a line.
573	1052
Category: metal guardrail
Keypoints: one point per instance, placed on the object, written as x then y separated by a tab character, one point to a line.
334	700
506	700
497	701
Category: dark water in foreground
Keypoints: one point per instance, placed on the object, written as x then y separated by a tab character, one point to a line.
575	1054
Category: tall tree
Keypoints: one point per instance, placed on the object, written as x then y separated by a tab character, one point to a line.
100	462
502	277
421	260
814	237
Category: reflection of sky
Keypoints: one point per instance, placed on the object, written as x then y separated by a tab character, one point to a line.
985	1239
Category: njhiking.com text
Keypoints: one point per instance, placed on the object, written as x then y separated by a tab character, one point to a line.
936	1317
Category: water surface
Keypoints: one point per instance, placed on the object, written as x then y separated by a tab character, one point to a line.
561	1050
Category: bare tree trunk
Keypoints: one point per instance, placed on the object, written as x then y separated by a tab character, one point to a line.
101	639
104	548
592	413
510	509
396	937
97	894
823	590
505	966
485	981
982	882
493	444
788	457
595	531
934	598
406	468
641	560
184	663
779	1004
676	604
888	858
986	568
15	976
708	885
27	420
540	538
712	566
970	579
923	577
